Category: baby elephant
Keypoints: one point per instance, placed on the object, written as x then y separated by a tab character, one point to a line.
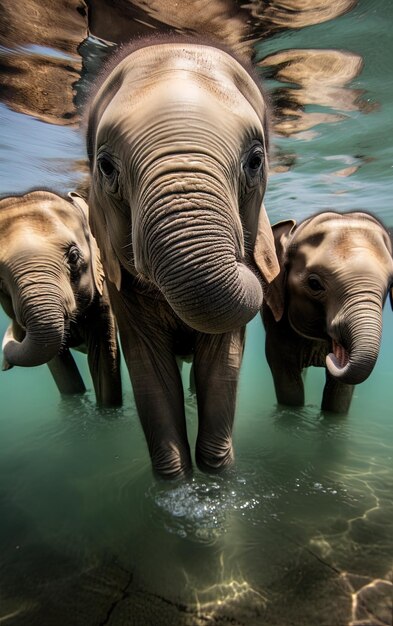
325	306
52	287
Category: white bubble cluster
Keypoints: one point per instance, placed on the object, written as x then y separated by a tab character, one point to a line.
200	510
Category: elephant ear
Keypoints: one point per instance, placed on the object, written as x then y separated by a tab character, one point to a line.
388	240
275	296
98	272
387	236
100	229
389	244
264	251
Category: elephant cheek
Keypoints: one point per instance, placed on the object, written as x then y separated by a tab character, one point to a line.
307	318
81	294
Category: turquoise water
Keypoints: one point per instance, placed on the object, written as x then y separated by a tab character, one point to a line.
300	531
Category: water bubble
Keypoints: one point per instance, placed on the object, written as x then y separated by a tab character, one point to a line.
199	510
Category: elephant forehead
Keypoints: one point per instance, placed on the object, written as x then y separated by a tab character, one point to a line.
185	79
182	95
209	65
35	240
30	220
181	115
349	250
41	211
40	230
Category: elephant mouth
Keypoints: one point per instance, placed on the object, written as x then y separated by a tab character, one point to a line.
338	360
340	354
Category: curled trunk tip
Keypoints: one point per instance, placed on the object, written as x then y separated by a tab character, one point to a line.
355	365
30	352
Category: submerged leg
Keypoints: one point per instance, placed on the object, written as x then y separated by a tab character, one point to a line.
216	369
337	396
66	374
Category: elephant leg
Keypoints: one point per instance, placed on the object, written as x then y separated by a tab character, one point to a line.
288	384
157	385
216	367
159	398
66	374
103	354
337	396
282	357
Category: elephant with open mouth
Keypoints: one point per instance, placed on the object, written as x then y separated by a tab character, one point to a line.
52	287
177	141
325	306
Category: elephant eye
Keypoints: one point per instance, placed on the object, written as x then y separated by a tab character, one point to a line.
74	256
109	172
253	164
315	284
106	167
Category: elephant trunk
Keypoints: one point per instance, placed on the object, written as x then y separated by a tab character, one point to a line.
361	332
44	324
195	260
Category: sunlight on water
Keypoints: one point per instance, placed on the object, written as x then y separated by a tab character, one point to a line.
301	528
198	509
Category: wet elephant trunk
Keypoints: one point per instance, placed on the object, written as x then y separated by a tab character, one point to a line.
194	259
361	332
43	322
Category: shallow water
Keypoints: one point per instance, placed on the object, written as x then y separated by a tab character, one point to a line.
300	530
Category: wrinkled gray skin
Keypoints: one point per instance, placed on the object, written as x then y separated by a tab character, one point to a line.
325	307
52	287
178	153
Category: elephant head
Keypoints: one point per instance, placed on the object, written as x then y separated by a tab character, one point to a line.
336	271
177	141
49	273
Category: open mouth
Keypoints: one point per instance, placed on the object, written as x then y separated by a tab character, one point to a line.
337	361
342	356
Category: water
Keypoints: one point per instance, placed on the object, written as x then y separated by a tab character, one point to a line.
300	530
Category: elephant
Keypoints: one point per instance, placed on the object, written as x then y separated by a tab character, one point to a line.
177	138
325	306
52	287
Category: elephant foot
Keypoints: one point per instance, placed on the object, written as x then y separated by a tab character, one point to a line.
214	458
169	463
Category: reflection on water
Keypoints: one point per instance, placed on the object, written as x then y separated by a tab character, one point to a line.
29	86
222	20
42	40
277	15
321	77
302	525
